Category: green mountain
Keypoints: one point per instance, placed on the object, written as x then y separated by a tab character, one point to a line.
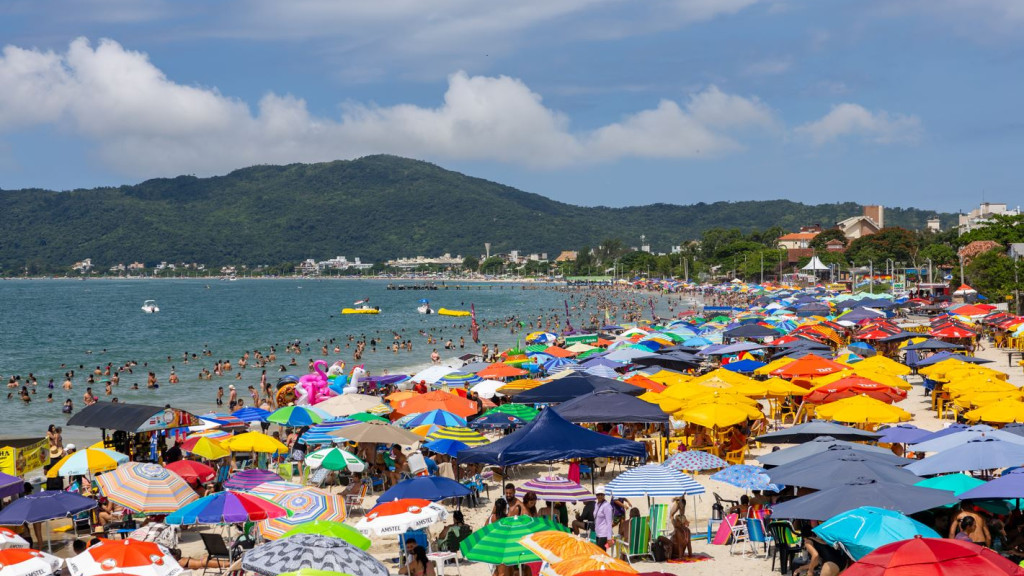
376	208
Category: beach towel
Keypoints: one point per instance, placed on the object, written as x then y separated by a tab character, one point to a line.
574	472
724	530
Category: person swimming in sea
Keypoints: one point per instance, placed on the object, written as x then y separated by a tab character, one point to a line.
68	407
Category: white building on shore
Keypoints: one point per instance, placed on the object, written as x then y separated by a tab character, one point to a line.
983	214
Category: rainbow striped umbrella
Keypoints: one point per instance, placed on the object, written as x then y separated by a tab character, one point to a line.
437	416
464	435
306	504
87	461
146	488
555	489
249	479
458	380
295	416
227	507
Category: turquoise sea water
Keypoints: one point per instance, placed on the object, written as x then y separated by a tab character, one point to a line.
44	323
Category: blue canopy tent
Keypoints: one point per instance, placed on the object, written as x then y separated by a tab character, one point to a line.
609	406
550	437
574	386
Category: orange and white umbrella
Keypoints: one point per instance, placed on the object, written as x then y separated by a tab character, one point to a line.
126	556
27	562
399	516
10	539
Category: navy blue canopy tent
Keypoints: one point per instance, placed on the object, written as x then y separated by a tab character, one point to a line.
550	437
574	386
605	406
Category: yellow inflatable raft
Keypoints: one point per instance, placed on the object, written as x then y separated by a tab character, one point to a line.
447	312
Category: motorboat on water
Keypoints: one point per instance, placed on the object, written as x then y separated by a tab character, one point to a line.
424	307
150	307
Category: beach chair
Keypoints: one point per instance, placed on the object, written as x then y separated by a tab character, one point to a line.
740	534
353	501
222	475
216	549
639	543
757	536
318	477
417	536
787	543
659	521
736	456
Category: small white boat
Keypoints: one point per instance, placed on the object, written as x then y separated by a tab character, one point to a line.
150	307
424	309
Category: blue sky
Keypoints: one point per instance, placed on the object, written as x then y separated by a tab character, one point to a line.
901	102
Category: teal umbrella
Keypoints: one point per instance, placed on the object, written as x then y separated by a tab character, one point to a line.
498	543
863	529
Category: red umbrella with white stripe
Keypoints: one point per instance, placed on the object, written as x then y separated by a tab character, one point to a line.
399	516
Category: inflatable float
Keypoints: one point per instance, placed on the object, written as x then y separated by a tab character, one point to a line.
363	310
447	312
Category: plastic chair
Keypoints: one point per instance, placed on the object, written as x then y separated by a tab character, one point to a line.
417	536
216	549
787	543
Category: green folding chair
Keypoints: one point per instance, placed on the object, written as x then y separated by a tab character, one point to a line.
639	544
659	521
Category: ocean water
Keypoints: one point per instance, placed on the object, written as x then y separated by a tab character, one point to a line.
85	324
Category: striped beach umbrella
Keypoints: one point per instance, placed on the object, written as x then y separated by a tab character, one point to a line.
251	414
498	542
464	435
368	417
694	460
306	504
557	364
249	479
86	462
438	417
146	488
212	434
335	459
602	371
320	434
305	552
295	416
521	411
227	507
126	556
653	480
593	563
555	489
458	380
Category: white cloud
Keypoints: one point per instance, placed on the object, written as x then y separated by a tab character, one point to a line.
145	124
855	120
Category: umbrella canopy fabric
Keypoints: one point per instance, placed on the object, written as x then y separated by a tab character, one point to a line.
891	496
653	480
431	488
254	442
126	556
593	564
521	411
902	434
805	432
574	386
747	477
554	546
204	447
45	505
305	504
86	462
498	420
377	432
833	467
330	529
10	485
147	488
335	459
933	557
435	417
1006	486
27	562
436	400
251	414
550	437
462	434
862	409
191	471
295	416
555	489
610	406
446	446
976	432
348	404
10	539
979	454
694	460
864	529
305	551
398	516
227	507
249	479
498	542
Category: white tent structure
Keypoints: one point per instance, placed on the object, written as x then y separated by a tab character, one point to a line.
815	265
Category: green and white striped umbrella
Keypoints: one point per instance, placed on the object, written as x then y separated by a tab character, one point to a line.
335	459
498	543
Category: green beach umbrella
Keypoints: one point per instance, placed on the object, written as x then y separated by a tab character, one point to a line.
498	543
335	458
295	416
521	411
332	530
367	417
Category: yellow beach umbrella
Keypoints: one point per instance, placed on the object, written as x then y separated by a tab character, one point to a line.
975	399
722	375
86	461
718	412
961	387
254	442
460	433
883	364
772	388
209	448
521	385
1000	412
773	366
862	410
668	378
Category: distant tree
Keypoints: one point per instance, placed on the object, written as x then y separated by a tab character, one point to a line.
471	263
991	274
939	254
492	265
897	243
819	242
608	250
1002	229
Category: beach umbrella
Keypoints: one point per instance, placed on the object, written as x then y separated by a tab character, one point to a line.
295	416
228	507
979	454
958	484
378	433
437	417
653	480
446	447
495	421
28	562
957	438
431	488
335	459
601	563
827	443
933	557
950	429
320	433
864	529
255	442
498	542
521	411
86	462
9	539
146	488
825	470
555	489
191	471
487	388
862	409
436	400
715	413
747	477
999	412
399	516
45	505
305	504
126	556
1006	486
825	504
205	447
809	431
902	434
348	404
249	479
462	434
251	414
854	386
311	551
694	460
458	380
809	366
331	529
554	545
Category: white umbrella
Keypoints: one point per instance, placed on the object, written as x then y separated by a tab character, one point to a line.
400	516
335	459
9	539
126	556
28	563
487	388
348	404
430	375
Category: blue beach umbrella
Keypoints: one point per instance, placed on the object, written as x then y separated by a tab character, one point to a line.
251	414
434	417
459	380
446	446
902	434
980	454
653	480
431	488
747	477
864	529
295	416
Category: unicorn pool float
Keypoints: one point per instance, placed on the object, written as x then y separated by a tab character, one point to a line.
319	385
